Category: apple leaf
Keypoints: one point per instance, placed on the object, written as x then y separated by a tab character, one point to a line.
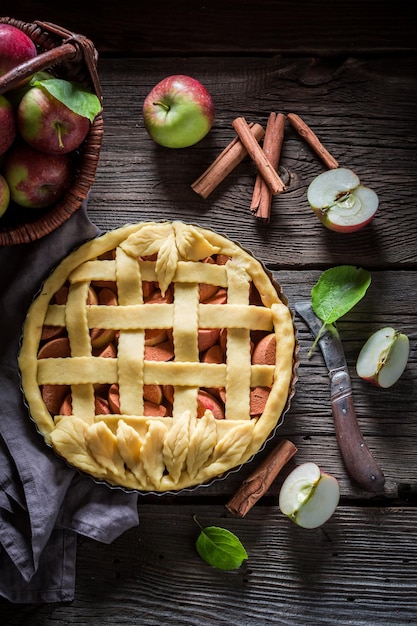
336	292
72	95
220	548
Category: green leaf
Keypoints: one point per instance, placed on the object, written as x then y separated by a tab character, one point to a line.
220	548
336	292
72	95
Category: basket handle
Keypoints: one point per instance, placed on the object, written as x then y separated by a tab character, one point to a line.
74	48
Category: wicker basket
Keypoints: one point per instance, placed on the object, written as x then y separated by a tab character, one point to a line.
73	57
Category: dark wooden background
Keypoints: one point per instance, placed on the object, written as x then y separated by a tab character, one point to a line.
321	27
350	71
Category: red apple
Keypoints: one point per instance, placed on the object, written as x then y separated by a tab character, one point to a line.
178	112
48	125
36	180
4	195
15	48
7	125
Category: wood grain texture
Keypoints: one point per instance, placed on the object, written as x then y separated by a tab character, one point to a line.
356	571
231	26
362	111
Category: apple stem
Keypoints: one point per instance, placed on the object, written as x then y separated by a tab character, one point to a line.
162	104
198	523
59	131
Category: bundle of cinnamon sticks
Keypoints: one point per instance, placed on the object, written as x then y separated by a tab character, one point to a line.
247	142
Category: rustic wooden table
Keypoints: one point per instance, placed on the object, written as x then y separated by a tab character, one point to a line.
351	74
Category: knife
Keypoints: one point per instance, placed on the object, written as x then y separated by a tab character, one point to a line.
359	462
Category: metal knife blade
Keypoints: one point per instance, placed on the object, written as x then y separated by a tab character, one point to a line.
359	462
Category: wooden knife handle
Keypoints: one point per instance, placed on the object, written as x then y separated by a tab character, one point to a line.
358	460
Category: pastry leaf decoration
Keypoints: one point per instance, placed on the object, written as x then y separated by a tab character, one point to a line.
102	444
146	240
174	242
191	244
220	548
166	263
203	439
176	445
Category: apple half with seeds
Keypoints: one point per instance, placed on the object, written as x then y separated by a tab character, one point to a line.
340	201
308	496
383	358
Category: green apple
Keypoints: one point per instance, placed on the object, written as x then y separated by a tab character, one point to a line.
4	195
308	496
178	112
340	202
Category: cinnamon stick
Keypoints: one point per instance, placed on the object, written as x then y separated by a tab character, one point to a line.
258	156
258	483
227	160
311	138
262	195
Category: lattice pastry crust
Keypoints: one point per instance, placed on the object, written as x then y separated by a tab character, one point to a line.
142	360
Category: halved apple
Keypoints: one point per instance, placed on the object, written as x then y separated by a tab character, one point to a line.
340	202
308	496
384	356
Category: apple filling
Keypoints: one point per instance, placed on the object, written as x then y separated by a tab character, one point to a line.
158	356
158	346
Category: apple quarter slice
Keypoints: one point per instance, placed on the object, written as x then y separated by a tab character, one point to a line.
308	496
384	356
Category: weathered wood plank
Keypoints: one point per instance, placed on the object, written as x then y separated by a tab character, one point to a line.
363	111
360	567
232	26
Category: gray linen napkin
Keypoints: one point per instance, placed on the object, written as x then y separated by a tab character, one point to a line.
43	502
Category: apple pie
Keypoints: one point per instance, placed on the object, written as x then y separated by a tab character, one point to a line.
158	356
